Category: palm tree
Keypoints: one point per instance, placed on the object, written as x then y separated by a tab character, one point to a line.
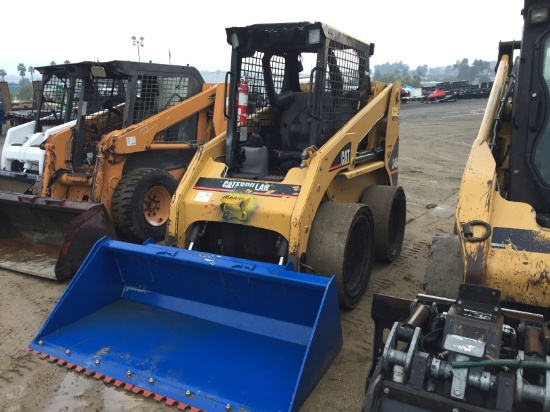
31	70
66	62
22	70
52	63
3	73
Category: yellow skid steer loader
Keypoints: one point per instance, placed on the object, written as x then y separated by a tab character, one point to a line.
479	340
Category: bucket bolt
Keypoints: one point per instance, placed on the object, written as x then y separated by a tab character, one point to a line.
129	373
40	342
197	232
68	351
188	392
228	407
97	362
282	249
151	380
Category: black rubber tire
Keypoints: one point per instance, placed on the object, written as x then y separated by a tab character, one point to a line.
128	201
388	205
444	267
341	242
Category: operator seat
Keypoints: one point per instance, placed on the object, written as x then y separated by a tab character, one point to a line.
295	125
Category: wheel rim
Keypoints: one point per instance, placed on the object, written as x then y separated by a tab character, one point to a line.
156	205
356	258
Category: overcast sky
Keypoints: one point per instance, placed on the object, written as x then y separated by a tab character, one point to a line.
432	32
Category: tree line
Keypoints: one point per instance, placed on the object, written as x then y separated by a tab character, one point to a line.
388	72
479	70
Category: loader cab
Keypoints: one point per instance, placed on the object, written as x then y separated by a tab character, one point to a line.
109	96
303	81
529	170
56	97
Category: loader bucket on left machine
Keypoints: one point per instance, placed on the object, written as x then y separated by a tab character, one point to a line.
49	237
205	332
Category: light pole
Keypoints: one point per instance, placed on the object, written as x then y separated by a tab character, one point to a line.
138	43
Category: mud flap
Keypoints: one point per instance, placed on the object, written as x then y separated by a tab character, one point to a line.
49	237
206	331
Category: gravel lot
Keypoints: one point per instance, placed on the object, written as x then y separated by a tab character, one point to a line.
434	145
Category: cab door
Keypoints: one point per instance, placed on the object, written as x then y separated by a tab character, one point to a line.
529	173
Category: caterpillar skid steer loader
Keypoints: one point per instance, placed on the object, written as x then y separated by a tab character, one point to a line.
310	177
273	227
502	215
480	339
103	158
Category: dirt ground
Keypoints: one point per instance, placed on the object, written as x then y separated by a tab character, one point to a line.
434	145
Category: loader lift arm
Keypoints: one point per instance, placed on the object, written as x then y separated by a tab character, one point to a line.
114	147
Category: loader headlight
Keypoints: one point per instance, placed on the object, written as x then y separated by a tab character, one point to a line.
538	15
98	71
234	40
314	36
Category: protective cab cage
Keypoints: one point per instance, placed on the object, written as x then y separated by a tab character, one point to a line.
305	81
106	96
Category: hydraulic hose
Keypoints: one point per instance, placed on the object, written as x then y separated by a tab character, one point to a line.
511	363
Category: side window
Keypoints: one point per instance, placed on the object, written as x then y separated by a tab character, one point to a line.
172	90
542	146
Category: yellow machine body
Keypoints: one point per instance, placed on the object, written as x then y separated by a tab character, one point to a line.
289	207
507	250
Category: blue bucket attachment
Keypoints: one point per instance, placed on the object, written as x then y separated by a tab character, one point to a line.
206	331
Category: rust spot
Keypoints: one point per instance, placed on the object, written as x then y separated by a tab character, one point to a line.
540	280
474	266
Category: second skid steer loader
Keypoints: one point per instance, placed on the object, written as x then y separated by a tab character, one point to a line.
480	339
502	229
274	225
103	158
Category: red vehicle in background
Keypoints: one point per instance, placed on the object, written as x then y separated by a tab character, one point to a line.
437	94
440	95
